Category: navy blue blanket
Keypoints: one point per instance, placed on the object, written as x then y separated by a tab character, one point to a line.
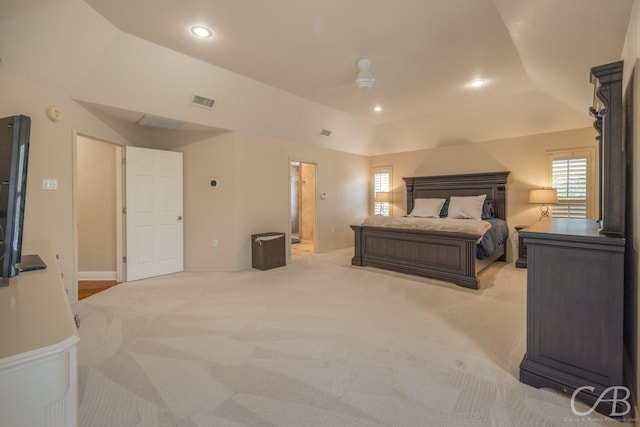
493	238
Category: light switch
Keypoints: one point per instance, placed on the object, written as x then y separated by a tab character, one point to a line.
49	184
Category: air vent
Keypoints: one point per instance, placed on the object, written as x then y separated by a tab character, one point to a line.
159	122
203	101
325	132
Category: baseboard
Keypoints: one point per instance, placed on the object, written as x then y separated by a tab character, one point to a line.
97	275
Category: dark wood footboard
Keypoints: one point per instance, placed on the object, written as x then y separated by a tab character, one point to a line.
450	256
438	255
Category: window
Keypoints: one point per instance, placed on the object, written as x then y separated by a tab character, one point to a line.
382	196
572	176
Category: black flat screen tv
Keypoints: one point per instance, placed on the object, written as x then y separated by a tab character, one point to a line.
14	154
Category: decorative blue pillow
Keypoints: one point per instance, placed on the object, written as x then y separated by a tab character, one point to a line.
489	209
445	210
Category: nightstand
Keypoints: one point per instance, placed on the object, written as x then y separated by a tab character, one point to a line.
521	262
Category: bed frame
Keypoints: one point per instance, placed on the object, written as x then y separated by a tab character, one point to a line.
439	255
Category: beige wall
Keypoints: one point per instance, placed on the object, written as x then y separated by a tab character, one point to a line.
630	55
96	195
210	213
49	215
254	196
525	157
307	200
264	188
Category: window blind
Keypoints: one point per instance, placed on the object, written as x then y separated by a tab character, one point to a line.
381	179
570	179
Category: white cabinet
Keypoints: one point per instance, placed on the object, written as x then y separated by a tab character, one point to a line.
38	338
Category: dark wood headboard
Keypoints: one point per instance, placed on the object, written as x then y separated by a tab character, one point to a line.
493	184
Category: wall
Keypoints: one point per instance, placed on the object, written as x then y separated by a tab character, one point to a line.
630	55
524	156
96	195
209	213
254	196
308	198
263	177
49	215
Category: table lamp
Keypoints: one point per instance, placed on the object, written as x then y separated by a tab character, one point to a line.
544	197
383	197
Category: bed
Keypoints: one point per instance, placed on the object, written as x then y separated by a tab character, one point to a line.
443	255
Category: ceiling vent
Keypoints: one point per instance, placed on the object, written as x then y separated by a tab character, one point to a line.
159	122
325	132
203	101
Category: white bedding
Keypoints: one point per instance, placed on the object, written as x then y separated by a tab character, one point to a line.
467	226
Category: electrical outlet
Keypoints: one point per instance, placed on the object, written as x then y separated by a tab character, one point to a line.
49	184
214	242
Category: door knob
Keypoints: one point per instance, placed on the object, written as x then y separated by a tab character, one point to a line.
179	217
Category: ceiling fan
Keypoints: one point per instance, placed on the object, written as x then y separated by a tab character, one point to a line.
364	80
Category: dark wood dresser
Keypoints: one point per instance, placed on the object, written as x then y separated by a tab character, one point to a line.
575	282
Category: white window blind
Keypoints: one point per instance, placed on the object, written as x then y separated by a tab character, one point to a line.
572	177
381	179
570	180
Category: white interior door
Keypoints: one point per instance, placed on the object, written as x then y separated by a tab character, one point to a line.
154	212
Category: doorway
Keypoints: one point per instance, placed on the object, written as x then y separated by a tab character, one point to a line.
303	208
98	192
100	232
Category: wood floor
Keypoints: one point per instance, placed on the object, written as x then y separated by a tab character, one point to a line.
305	247
86	288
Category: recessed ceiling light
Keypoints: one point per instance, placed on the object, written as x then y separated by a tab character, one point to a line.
201	31
377	108
478	83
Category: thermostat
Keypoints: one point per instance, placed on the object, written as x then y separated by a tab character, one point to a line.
214	183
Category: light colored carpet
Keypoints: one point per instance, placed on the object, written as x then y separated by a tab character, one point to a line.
316	343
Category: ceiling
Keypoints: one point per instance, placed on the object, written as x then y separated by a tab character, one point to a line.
534	56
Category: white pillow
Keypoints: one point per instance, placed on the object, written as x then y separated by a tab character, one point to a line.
469	207
427	208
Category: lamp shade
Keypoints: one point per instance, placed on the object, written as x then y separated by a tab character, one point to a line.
545	196
383	196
